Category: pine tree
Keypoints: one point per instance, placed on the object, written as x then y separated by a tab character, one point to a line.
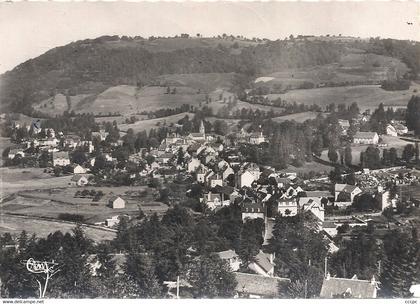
400	265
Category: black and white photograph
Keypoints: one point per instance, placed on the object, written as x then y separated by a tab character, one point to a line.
209	150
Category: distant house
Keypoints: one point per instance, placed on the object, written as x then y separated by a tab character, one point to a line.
287	207
215	180
101	135
226	172
390	130
366	138
345	125
232	258
78	169
263	264
252	211
79	180
61	159
113	221
14	152
164	158
212	200
256	286
245	179
354	288
344	193
314	205
256	138
330	228
292	191
201	174
193	165
116	202
400	128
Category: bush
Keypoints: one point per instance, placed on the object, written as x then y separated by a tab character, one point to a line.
395	85
71	217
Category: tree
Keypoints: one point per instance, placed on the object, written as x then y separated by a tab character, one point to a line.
211	277
332	155
364	202
408	152
347	155
250	241
400	264
413	114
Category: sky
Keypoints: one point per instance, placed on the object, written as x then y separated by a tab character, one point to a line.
29	29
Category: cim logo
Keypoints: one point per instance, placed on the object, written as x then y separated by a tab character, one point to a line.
40	267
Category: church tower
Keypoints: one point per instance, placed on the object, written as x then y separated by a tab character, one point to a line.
202	129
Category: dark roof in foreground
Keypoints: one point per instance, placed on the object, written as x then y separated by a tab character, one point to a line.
255	284
357	288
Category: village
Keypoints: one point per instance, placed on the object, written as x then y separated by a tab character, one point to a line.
213	173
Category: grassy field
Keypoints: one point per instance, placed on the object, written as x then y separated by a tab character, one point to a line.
146	125
58	104
392	142
366	96
15	224
298	117
127	99
307	167
18	179
206	82
354	66
50	203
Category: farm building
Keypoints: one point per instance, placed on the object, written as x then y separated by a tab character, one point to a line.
79	180
257	286
61	159
354	288
116	202
366	138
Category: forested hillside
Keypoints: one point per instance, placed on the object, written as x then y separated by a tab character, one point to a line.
91	66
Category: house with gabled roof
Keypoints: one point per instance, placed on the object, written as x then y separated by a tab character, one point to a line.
287	206
353	288
61	159
231	257
251	210
212	200
344	194
263	264
79	180
256	286
366	138
313	205
193	164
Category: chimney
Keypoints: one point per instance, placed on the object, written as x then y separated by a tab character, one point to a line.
272	257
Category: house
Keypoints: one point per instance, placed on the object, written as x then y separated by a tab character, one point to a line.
78	169
344	194
251	210
193	165
354	288
226	172
14	152
256	138
245	179
366	138
330	228
390	130
263	264
292	191
383	198
400	128
212	200
215	180
101	135
314	205
113	221
287	207
116	202
61	159
256	286
164	158
201	174
79	180
345	125
232	258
